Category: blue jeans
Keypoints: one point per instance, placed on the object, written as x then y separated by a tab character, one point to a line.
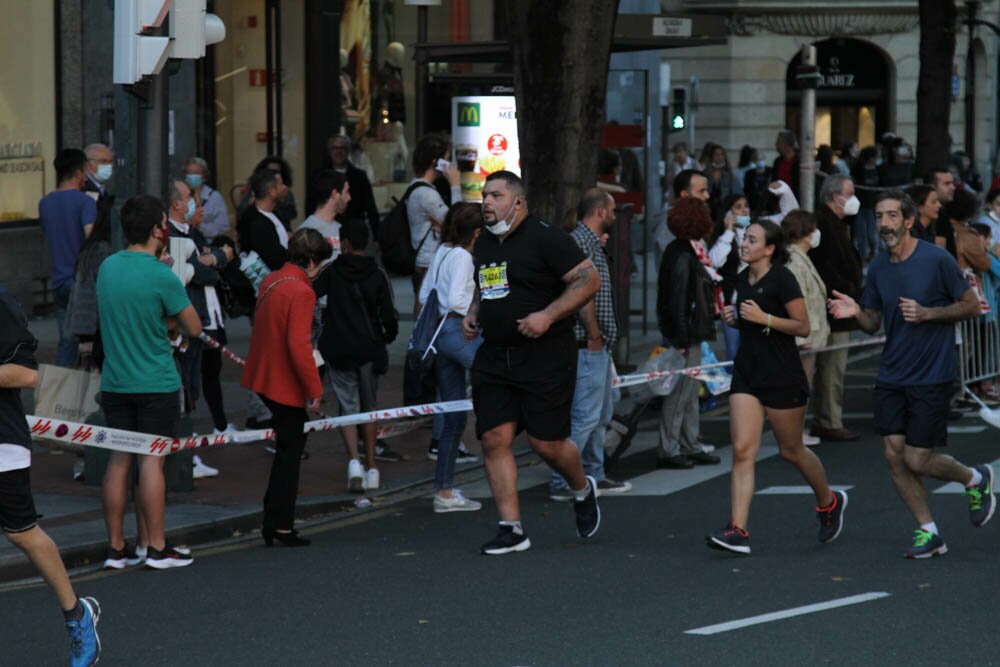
66	352
865	235
454	357
592	411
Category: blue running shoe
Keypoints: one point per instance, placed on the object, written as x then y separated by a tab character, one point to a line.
84	644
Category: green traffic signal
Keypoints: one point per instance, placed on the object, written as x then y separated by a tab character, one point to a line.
678	122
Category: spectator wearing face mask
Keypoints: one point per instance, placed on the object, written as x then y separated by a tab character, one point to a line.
839	265
727	236
215	218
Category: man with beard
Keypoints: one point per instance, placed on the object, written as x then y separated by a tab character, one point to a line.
531	279
596	331
919	292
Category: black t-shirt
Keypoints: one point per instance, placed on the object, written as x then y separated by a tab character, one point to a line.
768	360
17	346
520	276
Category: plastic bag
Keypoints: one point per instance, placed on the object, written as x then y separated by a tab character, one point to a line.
660	359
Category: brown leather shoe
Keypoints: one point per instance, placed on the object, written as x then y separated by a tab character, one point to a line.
835	434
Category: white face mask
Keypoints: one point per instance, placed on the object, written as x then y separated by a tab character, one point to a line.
852	206
814	239
103	173
502	226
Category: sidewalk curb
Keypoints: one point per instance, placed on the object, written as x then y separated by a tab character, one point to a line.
17	568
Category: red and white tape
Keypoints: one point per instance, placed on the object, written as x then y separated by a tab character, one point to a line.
88	435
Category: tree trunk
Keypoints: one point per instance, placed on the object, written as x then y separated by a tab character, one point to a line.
937	54
561	51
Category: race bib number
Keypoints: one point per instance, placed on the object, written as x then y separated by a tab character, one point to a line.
493	282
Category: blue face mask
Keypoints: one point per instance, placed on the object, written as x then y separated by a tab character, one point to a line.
194	180
191	209
743	220
103	173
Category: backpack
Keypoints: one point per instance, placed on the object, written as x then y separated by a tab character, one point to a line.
418	370
398	254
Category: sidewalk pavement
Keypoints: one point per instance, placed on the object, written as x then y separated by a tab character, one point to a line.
230	505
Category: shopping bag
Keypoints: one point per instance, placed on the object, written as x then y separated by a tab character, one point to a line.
660	359
68	394
716	380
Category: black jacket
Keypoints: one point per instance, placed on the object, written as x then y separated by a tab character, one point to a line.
257	234
356	334
837	261
684	298
203	275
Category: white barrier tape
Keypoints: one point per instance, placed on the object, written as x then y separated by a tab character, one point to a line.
696	372
88	435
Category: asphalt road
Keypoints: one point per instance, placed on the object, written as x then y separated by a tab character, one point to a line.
402	586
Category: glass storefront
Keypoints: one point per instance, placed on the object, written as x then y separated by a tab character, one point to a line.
27	107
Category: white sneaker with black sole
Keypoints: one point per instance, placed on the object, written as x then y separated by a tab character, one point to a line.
355	476
200	470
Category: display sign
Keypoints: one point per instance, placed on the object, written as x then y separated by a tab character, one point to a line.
22	185
484	136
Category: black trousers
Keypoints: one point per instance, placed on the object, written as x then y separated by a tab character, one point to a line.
283	484
211	386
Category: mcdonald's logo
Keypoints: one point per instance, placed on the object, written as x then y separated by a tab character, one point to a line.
468	114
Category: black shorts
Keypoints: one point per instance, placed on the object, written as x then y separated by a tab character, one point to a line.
531	385
776	398
17	507
919	412
153	413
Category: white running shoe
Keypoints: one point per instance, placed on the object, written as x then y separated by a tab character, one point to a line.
141	552
355	476
371	479
230	428
810	440
457	503
201	470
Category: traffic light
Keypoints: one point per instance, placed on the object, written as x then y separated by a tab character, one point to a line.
678	109
137	52
192	28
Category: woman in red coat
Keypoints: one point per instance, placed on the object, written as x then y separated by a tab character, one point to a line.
282	369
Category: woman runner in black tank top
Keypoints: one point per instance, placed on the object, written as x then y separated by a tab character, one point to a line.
768	381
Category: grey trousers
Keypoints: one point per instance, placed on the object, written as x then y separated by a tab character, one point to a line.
679	413
828	384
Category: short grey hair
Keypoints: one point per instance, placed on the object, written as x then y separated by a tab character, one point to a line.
788	137
201	164
173	193
833	185
93	148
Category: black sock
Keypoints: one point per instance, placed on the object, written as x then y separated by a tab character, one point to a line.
76	613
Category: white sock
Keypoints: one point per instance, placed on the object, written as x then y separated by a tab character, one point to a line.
930	527
516	525
977	477
581	495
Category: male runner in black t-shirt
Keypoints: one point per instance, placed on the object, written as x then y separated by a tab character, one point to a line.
18	518
530	277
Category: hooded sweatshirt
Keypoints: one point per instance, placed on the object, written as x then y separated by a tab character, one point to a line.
360	317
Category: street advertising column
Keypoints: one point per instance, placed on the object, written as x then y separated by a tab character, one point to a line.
484	136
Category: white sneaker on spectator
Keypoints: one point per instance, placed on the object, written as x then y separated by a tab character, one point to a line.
355	476
457	503
810	440
371	479
230	428
201	470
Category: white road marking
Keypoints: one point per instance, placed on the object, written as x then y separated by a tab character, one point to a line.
958	489
787	613
956	430
798	490
663	482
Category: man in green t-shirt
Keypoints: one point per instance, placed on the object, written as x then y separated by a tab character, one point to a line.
136	296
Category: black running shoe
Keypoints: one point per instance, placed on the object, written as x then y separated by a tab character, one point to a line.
588	512
982	502
119	559
167	558
831	519
730	538
506	541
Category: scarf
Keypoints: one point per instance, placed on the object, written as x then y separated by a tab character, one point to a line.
701	250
